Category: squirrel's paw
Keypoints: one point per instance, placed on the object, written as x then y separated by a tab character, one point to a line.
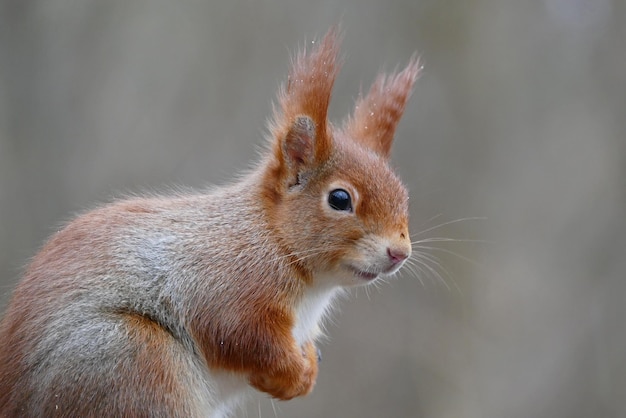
290	382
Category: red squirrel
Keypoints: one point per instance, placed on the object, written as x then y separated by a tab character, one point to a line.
175	306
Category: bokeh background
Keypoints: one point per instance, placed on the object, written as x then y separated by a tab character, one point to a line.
519	119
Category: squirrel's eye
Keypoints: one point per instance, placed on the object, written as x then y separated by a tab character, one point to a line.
339	199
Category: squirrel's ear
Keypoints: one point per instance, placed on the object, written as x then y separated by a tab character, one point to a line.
300	127
299	145
376	115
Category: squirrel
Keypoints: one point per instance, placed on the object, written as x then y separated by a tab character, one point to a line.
176	306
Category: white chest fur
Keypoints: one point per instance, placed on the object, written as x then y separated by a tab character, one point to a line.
310	312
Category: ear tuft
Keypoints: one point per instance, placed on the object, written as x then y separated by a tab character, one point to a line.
308	92
376	115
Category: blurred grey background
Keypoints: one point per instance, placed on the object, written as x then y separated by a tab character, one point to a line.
519	117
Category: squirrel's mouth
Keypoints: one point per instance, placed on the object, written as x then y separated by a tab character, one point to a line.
365	275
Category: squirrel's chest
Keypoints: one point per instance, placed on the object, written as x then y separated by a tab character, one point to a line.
310	312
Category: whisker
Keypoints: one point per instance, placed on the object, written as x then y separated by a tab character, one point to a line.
367	293
429	220
445	250
419	265
437	262
300	259
303	255
414	271
472	218
375	285
422	260
296	253
442	239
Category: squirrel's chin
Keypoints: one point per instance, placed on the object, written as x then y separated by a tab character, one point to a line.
363	275
347	275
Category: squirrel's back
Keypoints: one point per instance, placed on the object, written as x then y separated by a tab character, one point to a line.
148	264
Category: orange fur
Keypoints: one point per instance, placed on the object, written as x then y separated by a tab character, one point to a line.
377	114
171	306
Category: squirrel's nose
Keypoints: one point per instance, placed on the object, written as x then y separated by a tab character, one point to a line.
397	254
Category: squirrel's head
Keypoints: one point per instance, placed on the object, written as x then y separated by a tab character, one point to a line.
338	208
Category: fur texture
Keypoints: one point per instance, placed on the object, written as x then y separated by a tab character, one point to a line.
175	306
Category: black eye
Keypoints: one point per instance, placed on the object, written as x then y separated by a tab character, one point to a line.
339	199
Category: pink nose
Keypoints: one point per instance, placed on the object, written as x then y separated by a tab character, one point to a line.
397	255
